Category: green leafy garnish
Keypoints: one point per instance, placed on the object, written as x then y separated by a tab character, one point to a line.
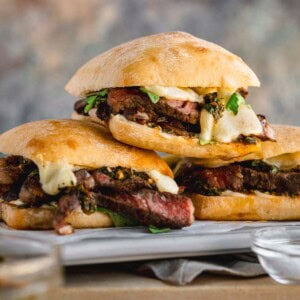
122	221
256	163
263	166
274	169
117	219
53	204
153	97
92	100
234	102
156	230
204	142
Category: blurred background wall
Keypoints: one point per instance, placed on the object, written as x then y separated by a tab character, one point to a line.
42	42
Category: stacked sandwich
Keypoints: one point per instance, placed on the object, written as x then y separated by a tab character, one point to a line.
169	92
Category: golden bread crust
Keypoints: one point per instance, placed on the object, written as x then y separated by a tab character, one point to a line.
41	218
249	208
79	143
166	59
287	142
145	137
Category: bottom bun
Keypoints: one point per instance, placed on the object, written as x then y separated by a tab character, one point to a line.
142	136
42	218
250	207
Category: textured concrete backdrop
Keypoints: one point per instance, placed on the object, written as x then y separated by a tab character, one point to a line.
43	42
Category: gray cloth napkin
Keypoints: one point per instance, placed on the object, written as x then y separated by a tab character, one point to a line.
182	271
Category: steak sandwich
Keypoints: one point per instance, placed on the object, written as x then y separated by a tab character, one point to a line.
71	174
261	186
174	93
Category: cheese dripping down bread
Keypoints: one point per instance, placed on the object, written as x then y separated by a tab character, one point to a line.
172	92
68	170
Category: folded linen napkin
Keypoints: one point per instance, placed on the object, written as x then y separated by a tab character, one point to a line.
184	270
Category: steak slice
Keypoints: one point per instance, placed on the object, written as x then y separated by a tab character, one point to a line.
174	126
130	184
173	116
79	107
32	193
185	111
211	181
65	205
13	168
268	131
132	100
121	99
280	182
150	207
13	171
84	178
238	178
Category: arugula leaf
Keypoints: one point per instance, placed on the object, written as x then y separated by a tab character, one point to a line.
234	102
103	93
92	100
117	219
122	221
263	166
255	163
274	169
153	97
204	142
156	230
53	204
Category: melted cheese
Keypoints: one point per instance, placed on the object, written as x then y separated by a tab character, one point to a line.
256	193
176	93
54	176
164	183
166	135
16	202
190	94
207	123
263	195
230	126
285	161
204	91
229	193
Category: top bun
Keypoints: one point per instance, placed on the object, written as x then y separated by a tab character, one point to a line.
79	143
166	59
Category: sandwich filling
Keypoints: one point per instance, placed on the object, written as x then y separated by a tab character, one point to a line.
244	178
135	197
209	114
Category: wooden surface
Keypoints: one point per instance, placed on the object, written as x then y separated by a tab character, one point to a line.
118	281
